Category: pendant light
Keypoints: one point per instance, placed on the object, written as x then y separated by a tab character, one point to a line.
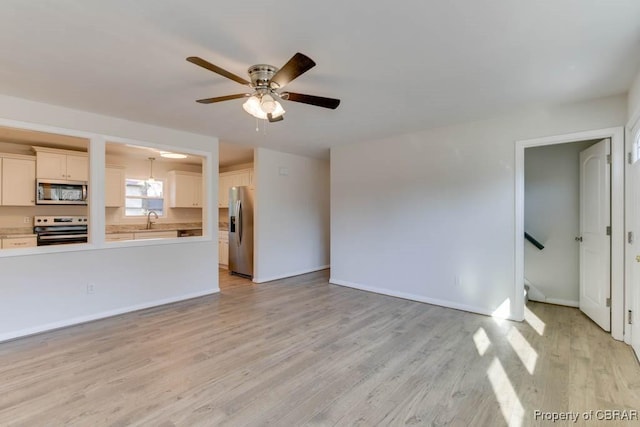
151	178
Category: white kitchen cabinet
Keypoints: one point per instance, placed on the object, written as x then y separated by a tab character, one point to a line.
77	168
18	178
141	235
227	180
185	189
68	165
223	248
114	187
18	242
118	237
223	191
167	234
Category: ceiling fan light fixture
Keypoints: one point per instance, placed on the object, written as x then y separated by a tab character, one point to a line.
267	104
254	106
266	81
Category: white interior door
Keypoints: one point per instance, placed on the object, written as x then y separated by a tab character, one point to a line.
634	227
595	246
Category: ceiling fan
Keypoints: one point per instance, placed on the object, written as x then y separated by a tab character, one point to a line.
266	83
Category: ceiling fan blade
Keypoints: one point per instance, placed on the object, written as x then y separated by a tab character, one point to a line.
209	66
275	119
318	101
296	66
223	98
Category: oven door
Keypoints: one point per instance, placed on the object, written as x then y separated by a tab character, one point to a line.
61	235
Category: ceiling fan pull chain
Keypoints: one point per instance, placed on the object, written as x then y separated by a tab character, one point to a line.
257	125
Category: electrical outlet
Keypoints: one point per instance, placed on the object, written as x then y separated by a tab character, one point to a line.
91	287
27	220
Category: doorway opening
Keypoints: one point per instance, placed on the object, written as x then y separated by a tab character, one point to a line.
567	211
616	222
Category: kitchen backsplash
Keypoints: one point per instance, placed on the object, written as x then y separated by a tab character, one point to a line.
172	215
14	216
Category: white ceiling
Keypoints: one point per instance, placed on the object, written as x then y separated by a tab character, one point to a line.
397	66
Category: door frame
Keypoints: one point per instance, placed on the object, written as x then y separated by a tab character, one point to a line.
632	132
618	283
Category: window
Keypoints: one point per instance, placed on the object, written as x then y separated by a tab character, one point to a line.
142	196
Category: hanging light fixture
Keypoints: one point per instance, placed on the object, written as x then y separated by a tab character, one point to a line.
261	105
151	178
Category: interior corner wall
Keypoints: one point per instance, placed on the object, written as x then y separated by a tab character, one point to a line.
430	216
552	216
633	100
292	215
45	291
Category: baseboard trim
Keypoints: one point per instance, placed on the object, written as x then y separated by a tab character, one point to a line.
414	297
284	276
556	301
102	315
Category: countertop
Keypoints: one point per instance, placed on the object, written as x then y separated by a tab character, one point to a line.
16	232
142	228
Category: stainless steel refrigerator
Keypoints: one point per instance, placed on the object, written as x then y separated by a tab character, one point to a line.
241	231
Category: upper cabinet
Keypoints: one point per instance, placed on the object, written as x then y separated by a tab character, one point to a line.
61	164
78	167
114	187
227	180
18	181
223	190
185	189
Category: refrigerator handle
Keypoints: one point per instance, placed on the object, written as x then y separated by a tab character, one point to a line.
240	227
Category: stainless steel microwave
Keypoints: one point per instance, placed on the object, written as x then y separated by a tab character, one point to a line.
53	192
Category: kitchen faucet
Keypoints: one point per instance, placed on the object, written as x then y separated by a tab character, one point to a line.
149	223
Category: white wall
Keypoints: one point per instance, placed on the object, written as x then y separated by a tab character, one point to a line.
292	215
430	216
634	99
552	216
44	291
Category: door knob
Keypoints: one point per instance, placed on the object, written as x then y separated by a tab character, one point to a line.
579	239
637	258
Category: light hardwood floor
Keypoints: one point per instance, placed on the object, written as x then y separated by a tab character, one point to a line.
303	352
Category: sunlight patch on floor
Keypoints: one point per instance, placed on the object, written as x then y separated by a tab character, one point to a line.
534	321
502	312
482	341
523	349
510	405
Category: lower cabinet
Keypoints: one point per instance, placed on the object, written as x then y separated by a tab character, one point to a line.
223	248
18	242
155	235
142	235
118	237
